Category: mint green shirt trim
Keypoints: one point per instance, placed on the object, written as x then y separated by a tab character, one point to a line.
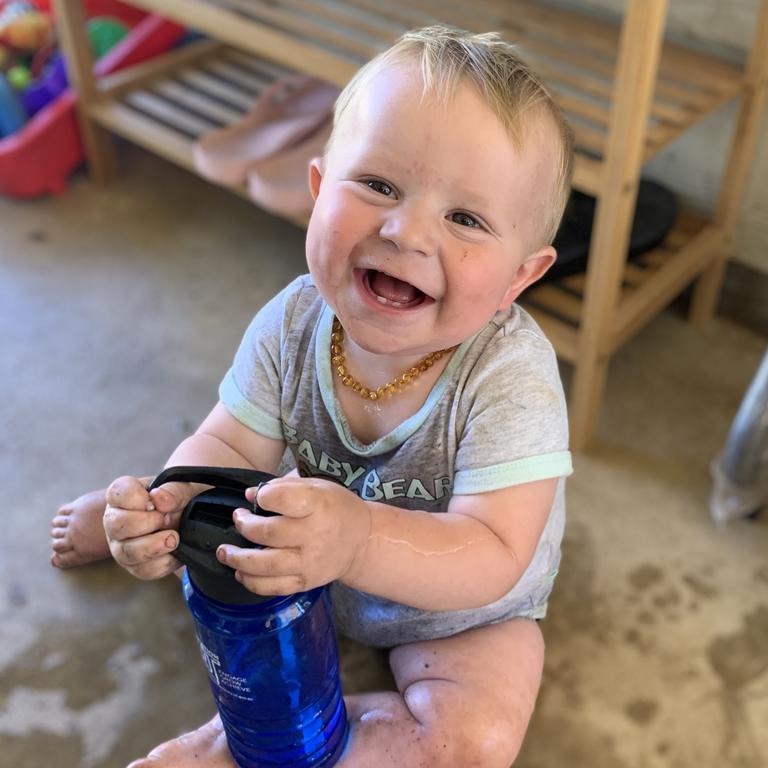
527	470
402	431
247	413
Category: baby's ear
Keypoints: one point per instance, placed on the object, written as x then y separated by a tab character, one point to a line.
533	268
316	171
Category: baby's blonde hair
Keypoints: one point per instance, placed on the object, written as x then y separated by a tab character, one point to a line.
508	85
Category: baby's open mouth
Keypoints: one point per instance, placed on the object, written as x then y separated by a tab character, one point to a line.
392	292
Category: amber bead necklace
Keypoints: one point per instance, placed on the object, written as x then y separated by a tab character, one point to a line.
397	384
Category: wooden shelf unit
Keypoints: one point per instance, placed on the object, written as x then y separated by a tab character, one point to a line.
626	92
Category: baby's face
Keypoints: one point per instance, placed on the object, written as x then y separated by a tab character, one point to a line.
426	216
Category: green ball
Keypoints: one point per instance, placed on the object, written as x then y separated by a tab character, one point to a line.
19	77
105	33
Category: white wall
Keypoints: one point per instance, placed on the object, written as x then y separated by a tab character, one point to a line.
692	165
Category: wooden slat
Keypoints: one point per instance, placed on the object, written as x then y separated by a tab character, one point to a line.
587	109
636	70
405	15
198	78
663	135
147	133
310	26
133	77
674	273
475	17
692	98
576	282
560	303
634	275
158	139
365	20
73	37
166	112
586	138
666	112
259	66
249	81
600	36
588	175
197	102
282	47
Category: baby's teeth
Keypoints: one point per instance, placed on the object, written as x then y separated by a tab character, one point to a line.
388	302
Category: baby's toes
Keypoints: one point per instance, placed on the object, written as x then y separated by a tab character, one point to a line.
59	529
60	521
61	544
66	559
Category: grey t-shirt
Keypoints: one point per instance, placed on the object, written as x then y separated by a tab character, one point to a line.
496	417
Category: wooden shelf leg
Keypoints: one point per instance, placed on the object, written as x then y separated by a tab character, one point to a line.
98	142
634	82
707	289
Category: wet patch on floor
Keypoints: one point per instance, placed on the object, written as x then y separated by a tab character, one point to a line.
77	696
563	740
48	711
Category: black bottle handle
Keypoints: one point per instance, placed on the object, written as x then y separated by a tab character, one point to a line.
206	522
221	477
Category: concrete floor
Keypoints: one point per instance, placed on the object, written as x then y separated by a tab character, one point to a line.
120	309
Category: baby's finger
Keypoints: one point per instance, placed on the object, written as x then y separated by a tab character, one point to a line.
154	569
172	497
129	493
260	562
273	585
144	548
122	524
276	531
288	496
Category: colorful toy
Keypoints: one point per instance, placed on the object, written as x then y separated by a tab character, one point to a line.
12	114
47	87
104	34
19	76
38	159
23	30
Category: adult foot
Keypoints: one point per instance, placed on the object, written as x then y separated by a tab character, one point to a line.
77	532
206	746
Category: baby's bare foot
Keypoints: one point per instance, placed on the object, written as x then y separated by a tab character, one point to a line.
205	747
77	532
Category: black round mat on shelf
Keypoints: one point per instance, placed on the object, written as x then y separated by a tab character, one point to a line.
655	214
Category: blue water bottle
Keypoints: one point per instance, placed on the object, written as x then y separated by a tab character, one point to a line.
272	662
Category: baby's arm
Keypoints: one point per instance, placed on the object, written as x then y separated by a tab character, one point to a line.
467	557
140	525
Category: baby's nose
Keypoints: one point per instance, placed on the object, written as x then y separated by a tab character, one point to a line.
410	230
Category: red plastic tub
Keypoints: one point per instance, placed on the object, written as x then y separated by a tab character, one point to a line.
40	157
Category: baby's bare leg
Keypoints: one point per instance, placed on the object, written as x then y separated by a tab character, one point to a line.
77	532
463	701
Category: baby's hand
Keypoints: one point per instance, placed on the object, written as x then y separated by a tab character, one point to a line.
140	525
319	536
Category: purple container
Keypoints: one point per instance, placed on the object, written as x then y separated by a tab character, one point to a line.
47	87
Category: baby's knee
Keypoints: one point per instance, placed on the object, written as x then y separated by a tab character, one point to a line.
457	735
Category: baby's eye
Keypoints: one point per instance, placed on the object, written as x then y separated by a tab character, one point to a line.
465	220
379	186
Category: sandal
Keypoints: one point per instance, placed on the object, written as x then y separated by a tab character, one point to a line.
286	113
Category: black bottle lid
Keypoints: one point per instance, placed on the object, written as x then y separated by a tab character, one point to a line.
207	522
